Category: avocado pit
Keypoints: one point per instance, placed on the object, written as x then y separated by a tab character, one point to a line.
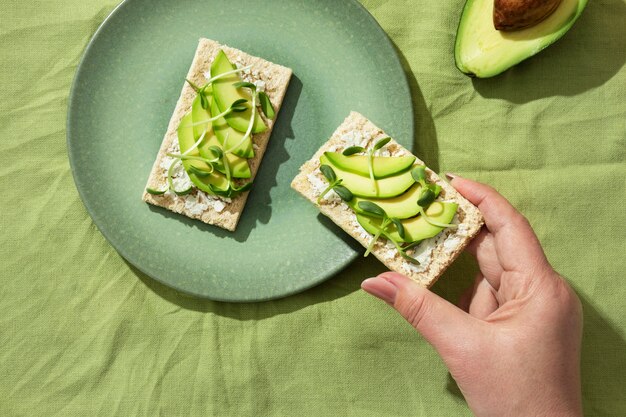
510	15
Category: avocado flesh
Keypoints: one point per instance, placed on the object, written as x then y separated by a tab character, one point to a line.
225	133
400	207
361	186
415	228
382	166
185	142
238	166
226	94
483	51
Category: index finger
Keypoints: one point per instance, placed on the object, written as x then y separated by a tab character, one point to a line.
517	246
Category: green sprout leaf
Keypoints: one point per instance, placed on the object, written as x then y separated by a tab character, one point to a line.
419	174
436	189
238	105
204	102
399	226
381	143
343	192
217	151
245	187
353	150
329	173
426	198
244	84
266	105
155	192
200	172
372	209
409	258
195	87
436	223
184	192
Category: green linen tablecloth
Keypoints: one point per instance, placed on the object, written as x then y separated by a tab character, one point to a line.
82	333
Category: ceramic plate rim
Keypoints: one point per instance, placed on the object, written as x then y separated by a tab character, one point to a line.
120	249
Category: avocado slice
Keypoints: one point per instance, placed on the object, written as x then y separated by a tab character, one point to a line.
226	133
226	94
415	228
238	166
483	51
361	186
383	166
185	142
400	207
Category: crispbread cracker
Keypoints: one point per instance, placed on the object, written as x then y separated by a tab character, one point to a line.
276	78
357	130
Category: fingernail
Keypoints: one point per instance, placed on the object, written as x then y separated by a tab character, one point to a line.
380	288
451	176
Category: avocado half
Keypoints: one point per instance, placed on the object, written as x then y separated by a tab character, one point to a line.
482	51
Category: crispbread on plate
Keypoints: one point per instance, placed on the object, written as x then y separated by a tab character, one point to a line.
221	212
435	254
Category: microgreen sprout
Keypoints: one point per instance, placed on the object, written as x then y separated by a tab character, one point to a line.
427	196
221	155
333	184
227	73
179	158
226	165
199	172
353	150
266	105
217	77
204	102
374	210
170	183
170	180
184	157
195	87
155	192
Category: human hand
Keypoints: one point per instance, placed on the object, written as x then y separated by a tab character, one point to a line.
513	344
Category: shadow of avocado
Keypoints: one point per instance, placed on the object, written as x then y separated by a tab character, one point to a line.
603	363
558	71
425	141
258	207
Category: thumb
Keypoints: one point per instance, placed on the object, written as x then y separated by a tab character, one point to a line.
442	324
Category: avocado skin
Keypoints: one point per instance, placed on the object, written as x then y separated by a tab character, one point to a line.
536	38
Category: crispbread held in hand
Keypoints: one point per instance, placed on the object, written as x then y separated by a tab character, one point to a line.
434	254
219	211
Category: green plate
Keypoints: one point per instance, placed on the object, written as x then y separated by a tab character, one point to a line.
122	99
